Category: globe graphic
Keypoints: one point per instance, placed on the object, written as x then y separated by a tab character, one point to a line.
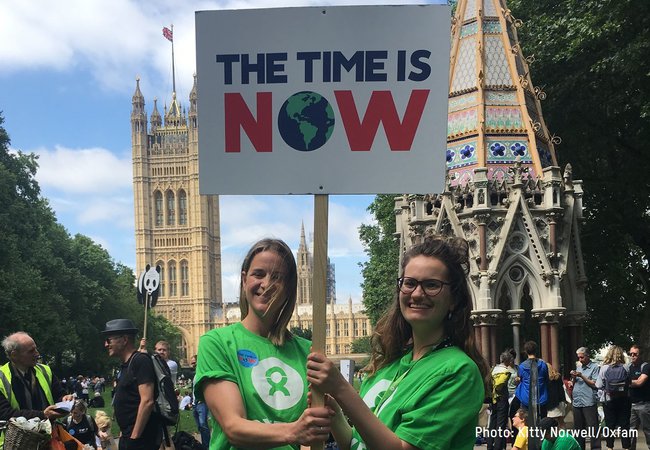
306	121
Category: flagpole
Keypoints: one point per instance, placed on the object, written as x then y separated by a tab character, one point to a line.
173	69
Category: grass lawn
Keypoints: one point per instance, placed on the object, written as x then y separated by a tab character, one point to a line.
186	422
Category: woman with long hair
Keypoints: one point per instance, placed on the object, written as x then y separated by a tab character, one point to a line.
251	375
616	402
425	382
556	404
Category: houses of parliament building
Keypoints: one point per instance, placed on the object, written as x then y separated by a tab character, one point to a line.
178	229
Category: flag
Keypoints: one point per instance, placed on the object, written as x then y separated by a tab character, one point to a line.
169	35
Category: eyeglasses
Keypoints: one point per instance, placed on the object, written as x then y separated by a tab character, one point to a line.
430	287
634	354
109	339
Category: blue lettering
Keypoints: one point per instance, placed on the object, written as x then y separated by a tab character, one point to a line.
227	61
416	61
308	58
372	65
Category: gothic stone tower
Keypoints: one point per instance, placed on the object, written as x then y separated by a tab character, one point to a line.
175	227
505	193
305	266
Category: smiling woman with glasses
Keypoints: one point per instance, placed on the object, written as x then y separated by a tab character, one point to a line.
425	385
430	287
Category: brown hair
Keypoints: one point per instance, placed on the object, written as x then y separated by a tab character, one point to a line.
393	334
289	283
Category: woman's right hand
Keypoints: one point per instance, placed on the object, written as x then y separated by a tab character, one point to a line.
313	426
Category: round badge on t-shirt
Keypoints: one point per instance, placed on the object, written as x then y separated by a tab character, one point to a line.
247	358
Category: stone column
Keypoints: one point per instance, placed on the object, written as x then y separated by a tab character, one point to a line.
549	335
516	316
573	337
485	322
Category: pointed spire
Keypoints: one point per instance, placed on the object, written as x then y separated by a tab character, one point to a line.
174	116
156	120
193	99
137	95
495	114
138	99
303	241
193	95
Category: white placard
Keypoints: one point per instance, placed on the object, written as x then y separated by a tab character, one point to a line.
347	369
323	100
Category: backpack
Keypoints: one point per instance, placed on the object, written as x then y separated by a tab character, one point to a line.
185	441
500	385
166	402
616	381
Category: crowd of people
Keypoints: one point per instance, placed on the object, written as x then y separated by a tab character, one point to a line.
423	388
535	393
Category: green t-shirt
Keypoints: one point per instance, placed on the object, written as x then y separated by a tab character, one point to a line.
435	406
272	380
564	441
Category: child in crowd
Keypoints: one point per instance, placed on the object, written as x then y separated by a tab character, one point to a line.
519	422
104	436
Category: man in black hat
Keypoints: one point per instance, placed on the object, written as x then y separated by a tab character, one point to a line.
135	391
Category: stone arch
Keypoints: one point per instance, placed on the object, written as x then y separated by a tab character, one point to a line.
170	201
185	350
161	264
182	207
515	286
159	208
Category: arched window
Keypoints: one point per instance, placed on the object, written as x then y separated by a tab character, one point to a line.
172	278
158	198
185	279
162	277
182	208
171	208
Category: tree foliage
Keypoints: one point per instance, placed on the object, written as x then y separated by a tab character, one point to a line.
380	271
58	288
302	332
592	58
361	345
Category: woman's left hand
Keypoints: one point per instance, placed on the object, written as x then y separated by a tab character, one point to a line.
323	374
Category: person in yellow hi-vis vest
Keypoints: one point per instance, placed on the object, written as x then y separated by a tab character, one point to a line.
27	388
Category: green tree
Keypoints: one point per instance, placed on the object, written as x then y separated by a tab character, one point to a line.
60	289
381	269
592	58
302	332
361	345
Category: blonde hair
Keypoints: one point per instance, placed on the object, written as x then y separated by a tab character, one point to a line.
552	373
102	420
615	355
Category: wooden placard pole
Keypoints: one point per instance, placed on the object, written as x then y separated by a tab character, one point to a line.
147	299
319	285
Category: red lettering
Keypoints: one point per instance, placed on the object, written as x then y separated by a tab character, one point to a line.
381	108
259	131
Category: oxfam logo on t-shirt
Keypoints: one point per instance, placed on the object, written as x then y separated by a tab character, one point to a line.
278	385
376	393
306	121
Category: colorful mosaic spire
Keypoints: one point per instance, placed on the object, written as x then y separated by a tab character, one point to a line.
495	115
